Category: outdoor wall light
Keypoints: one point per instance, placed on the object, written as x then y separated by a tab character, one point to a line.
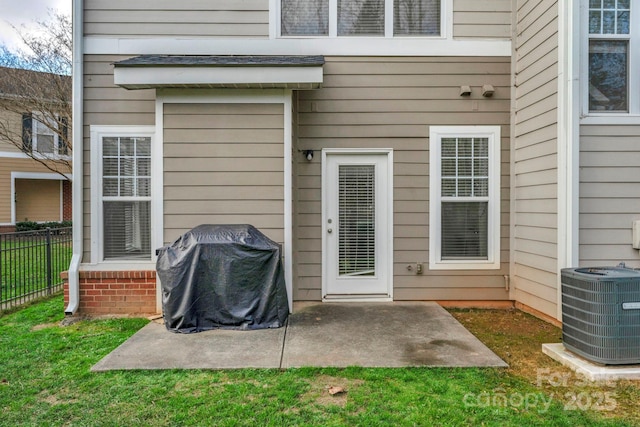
487	91
308	154
465	90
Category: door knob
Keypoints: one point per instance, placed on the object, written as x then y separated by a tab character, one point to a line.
329	230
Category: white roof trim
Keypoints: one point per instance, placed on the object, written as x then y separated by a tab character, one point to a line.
292	77
338	46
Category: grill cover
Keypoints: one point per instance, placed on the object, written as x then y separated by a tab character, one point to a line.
222	276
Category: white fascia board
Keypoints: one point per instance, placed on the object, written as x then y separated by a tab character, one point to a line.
52	176
338	46
13	155
190	75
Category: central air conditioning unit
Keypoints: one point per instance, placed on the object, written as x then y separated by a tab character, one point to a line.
601	314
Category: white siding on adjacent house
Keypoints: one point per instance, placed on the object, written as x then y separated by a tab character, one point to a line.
385	102
213	18
609	194
487	19
224	164
535	216
108	104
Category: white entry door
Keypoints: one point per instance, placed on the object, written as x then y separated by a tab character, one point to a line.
357	248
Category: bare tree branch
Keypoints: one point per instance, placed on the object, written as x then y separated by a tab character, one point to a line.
35	83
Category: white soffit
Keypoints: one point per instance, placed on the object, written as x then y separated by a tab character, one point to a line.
215	72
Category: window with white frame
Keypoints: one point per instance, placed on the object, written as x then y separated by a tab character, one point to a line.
360	18
464	204
610	56
45	136
124	174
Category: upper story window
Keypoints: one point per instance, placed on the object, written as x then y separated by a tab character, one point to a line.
345	18
610	62
45	136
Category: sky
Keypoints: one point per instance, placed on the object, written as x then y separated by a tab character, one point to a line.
25	12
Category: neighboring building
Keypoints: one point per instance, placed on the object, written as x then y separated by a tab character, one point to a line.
32	190
451	150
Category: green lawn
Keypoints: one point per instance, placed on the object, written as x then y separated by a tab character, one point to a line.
23	269
45	380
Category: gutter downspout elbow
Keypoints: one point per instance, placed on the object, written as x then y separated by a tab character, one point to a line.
78	145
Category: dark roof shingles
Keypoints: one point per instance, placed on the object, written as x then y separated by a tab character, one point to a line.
221	60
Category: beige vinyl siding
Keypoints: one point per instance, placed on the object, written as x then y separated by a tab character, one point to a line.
490	19
38	200
609	194
224	164
390	102
211	18
535	216
8	165
487	19
13	124
108	104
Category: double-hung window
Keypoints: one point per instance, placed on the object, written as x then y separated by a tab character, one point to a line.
123	180
464	203
612	57
389	18
45	136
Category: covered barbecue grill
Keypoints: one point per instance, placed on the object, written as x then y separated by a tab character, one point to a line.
222	276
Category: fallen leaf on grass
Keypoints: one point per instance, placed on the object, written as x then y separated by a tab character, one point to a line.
336	390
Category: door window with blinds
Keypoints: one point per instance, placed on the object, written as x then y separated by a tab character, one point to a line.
464	203
357	220
125	183
360	17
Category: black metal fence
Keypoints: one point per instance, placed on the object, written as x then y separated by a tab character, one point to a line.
31	263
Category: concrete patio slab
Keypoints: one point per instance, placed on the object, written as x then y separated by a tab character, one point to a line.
153	347
381	335
587	369
318	334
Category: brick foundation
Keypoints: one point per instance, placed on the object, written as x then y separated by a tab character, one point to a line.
67	212
115	292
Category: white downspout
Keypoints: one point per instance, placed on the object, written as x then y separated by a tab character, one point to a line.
568	146
78	145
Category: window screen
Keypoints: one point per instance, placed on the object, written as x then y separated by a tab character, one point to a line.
360	17
126	191
416	17
305	17
609	35
608	79
45	135
465	198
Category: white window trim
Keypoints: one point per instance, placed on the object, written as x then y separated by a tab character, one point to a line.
446	23
97	231
343	46
35	120
436	133
388	267
633	96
